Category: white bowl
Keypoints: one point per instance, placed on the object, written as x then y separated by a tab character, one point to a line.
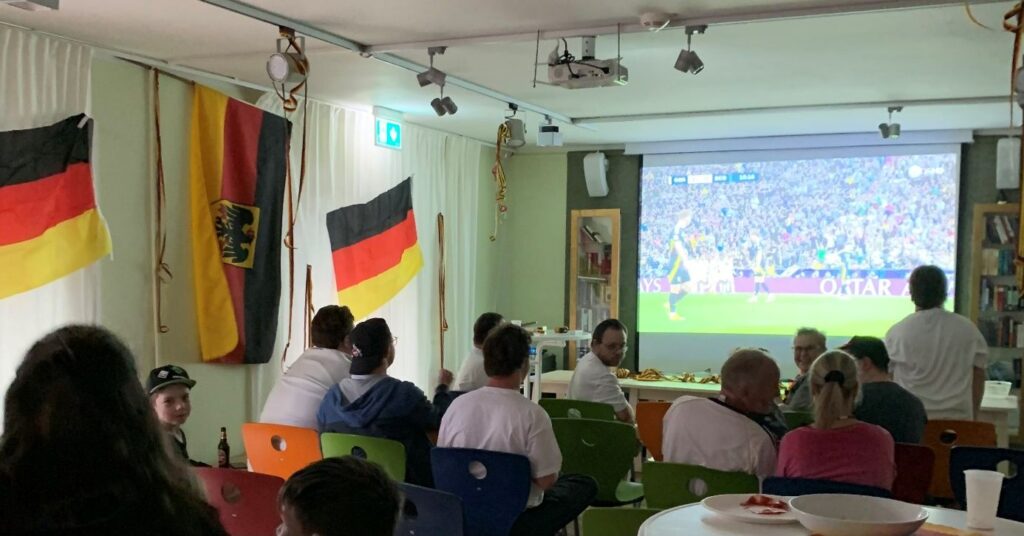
857	515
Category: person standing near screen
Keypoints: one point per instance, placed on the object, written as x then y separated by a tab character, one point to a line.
592	381
678	275
937	355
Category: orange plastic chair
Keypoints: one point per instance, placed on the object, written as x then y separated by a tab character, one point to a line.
915	465
246	502
942	436
279	450
649	419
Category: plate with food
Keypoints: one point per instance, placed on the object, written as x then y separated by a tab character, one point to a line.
760	509
650	375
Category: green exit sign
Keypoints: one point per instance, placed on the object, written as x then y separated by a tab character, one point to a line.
389	134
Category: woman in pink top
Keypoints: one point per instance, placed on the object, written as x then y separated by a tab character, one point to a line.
837	446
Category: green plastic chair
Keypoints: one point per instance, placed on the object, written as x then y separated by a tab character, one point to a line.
614	521
564	408
387	453
604	451
674	484
796	419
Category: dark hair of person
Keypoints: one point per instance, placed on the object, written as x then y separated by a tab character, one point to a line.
506	349
344	496
82	450
330	326
928	287
371	339
484	325
605	325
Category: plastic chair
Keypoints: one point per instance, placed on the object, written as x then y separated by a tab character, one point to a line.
564	408
604	451
429	512
246	502
941	436
777	485
650	418
796	419
387	453
674	484
914	466
1011	499
279	450
614	521
493	486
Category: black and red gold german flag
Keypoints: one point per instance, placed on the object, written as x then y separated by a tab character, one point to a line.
50	225
238	162
375	249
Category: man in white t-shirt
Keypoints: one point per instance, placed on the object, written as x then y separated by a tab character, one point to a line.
471	374
296	397
937	355
592	380
731	432
498	418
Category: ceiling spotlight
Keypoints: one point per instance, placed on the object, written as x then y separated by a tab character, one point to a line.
289	64
688	60
443	105
432	75
549	136
449	105
516	128
438	107
890	130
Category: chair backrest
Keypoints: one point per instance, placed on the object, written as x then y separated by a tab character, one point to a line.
796	419
614	521
941	436
564	408
672	484
650	418
1011	499
777	485
387	453
915	465
429	512
279	450
602	450
246	502
494	486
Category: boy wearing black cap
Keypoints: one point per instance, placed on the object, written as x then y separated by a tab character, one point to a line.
883	401
168	387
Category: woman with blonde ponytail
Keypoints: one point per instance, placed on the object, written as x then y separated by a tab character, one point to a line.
837	446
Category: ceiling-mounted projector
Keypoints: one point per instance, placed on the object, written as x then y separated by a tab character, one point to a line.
567	71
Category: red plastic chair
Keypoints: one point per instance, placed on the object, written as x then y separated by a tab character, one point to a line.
915	465
649	421
247	502
279	450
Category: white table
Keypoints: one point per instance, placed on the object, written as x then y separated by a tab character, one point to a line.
695	520
996	410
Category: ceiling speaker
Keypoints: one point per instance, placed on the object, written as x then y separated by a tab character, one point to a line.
595	170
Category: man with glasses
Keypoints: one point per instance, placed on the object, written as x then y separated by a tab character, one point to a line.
592	380
808	344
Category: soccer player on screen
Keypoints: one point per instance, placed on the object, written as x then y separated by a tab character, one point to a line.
678	275
760	279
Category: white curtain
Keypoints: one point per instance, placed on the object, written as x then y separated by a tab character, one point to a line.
344	167
42	81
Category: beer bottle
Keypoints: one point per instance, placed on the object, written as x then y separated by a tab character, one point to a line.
223	449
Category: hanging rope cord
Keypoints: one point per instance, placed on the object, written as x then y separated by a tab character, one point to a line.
498	170
441	285
162	270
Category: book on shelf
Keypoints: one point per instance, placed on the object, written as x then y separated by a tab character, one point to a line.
995	262
1004	332
1001	229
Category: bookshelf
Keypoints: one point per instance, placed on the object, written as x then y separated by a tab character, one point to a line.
593	272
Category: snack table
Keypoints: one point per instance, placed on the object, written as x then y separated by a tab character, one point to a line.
995	410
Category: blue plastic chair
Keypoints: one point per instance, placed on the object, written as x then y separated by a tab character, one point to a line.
777	485
1011	499
494	486
429	512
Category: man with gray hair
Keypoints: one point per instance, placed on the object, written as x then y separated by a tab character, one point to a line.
808	344
730	432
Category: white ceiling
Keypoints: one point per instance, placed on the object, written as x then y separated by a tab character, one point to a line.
891	56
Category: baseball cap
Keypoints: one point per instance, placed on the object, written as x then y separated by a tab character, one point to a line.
869	348
161	377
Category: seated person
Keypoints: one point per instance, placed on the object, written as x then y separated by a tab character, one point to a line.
592	380
296	396
808	344
344	496
857	452
882	401
498	418
471	373
169	390
369	402
82	453
731	432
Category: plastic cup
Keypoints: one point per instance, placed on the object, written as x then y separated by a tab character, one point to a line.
983	488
